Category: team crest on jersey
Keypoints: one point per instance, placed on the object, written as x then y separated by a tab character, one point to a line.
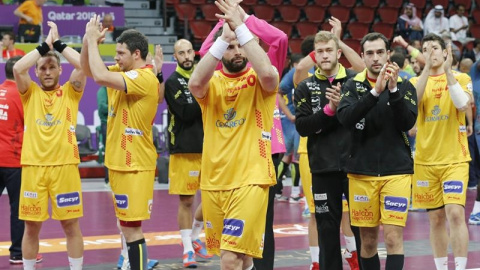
230	122
132	74
360	87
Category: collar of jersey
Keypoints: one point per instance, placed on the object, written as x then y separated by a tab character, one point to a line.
342	73
236	74
183	72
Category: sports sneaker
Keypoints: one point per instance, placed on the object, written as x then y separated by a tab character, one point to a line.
295	199
123	263
315	266
352	259
306	213
281	198
19	259
474	219
189	260
151	264
200	250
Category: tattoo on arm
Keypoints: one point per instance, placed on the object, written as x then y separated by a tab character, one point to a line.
77	84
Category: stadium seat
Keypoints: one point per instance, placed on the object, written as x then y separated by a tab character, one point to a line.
250	2
347	3
185	11
209	11
475	30
364	14
358	30
284	26
315	14
306	29
476	15
339	12
353	43
84	142
295	45
388	15
343	60
323	3
466	3
172	2
200	29
274	2
264	12
443	3
326	26
394	3
198	2
299	3
419	3
371	3
384	28
289	13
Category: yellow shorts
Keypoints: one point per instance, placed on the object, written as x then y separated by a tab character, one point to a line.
435	186
184	173
132	194
306	176
235	220
62	183
344	203
374	201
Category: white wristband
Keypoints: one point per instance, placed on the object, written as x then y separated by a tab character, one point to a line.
218	48
459	97
243	34
374	93
393	90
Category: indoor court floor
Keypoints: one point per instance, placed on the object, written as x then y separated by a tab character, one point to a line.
102	242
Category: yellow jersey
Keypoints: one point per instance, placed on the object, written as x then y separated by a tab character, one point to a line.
442	133
129	124
50	121
237	119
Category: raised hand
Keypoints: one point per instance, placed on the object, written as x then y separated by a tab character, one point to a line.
336	27
158	59
448	61
428	56
392	74
400	41
381	80
227	34
231	13
92	29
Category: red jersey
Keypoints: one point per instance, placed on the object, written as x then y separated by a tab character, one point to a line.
9	54
11	124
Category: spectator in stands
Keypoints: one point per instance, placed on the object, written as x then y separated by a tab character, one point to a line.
417	67
107	23
459	25
436	22
30	14
7	46
399	58
409	25
465	65
447	37
476	48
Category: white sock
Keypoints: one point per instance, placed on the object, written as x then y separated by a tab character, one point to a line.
295	191
186	240
476	207
75	263
29	264
124	251
350	241
441	263
314	253
197	227
460	263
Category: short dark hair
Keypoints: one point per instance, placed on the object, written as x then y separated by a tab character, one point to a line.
295	58
398	58
434	37
374	36
10	34
308	45
9	67
50	54
134	41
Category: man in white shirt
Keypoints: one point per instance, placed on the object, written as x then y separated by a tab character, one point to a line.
459	25
436	22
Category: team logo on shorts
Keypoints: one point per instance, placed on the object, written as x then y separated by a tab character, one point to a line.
397	204
322	208
30	194
209	225
320	197
233	227
421	183
453	186
150	206
68	199
122	201
361	198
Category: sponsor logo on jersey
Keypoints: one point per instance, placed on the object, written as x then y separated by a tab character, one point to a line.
453	186
133	132
436	116
230	122
132	74
233	227
361	198
30	194
266	136
49	121
212	242
397	204
423	183
68	199
320	197
462	128
122	201
194	173
111	112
